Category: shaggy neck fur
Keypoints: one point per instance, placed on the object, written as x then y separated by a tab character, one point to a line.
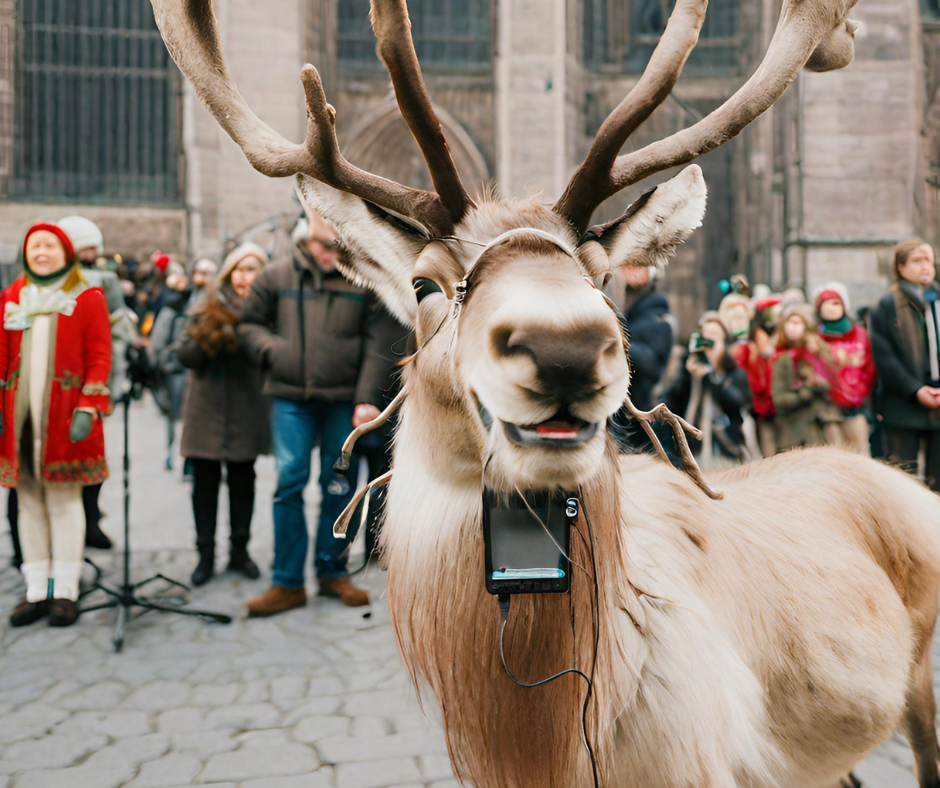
447	626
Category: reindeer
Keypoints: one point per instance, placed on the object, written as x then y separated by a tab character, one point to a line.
768	634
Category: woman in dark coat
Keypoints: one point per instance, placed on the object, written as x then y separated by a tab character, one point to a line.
904	342
225	415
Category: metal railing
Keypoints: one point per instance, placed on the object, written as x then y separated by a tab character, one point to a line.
96	104
621	35
448	34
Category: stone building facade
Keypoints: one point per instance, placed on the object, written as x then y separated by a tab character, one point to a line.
819	188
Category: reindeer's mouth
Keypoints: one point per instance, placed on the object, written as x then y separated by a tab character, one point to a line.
561	430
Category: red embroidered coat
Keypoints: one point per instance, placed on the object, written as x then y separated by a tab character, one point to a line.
77	379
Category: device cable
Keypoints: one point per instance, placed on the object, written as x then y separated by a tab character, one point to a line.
504	602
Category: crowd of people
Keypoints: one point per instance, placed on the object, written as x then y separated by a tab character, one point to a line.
769	372
253	357
257	357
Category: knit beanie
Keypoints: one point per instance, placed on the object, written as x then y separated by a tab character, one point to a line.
58	232
835	291
85	234
239	253
736	312
45	279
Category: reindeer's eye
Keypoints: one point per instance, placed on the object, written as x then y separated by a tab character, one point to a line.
425	287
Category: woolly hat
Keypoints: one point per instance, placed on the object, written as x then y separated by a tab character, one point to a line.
802	310
239	253
58	232
711	316
733	300
160	261
85	234
832	290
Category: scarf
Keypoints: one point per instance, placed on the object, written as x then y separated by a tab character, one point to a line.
37	299
835	328
911	300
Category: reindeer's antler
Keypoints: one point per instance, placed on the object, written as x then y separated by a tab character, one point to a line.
191	35
810	33
583	193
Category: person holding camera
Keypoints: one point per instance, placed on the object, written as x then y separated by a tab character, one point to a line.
55	358
225	414
326	345
712	393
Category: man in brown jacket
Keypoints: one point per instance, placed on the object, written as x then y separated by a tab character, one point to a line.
326	346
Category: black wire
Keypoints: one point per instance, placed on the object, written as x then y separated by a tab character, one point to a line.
504	601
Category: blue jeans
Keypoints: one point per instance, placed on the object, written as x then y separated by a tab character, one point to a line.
295	427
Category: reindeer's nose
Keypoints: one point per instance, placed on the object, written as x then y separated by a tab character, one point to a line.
568	363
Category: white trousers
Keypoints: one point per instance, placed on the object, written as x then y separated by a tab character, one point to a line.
52	517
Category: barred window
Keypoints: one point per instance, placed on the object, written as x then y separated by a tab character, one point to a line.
624	33
96	100
448	34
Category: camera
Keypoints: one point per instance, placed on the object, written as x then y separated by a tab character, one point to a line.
698	343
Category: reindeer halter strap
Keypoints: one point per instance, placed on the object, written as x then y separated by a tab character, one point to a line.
460	291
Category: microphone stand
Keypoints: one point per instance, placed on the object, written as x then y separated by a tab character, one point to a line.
126	596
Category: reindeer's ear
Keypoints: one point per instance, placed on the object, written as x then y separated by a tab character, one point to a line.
653	226
381	249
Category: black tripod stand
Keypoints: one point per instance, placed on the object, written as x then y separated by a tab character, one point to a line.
127	595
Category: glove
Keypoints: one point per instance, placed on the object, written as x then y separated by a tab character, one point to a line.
81	426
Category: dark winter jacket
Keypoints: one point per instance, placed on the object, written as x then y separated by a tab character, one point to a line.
650	344
729	393
899	375
318	336
225	414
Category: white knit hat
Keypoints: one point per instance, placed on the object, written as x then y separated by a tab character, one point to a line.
84	233
239	253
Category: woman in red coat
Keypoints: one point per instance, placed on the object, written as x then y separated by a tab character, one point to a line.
55	357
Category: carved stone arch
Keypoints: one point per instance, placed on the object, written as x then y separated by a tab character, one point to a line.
381	143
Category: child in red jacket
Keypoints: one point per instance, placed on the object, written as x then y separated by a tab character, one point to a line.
854	377
55	357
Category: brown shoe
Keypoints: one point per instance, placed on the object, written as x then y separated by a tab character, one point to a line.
276	600
62	612
341	588
26	613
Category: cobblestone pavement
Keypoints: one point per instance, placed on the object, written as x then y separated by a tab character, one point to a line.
315	698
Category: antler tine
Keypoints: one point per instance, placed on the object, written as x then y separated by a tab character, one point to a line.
395	48
189	30
591	183
801	34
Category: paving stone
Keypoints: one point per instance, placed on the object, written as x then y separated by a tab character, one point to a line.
204	744
245	716
322	778
159	696
288	688
314	707
371	727
263	740
349	749
326	685
117	724
246	764
215	695
311	729
35	719
185	720
384	703
377	774
49	752
104	696
435	766
173	769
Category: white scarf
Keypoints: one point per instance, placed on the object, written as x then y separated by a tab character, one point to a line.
35	300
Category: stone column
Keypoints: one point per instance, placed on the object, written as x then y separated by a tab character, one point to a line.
7	72
534	114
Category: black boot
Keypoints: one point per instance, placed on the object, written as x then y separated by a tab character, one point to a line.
205	568
95	537
239	561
